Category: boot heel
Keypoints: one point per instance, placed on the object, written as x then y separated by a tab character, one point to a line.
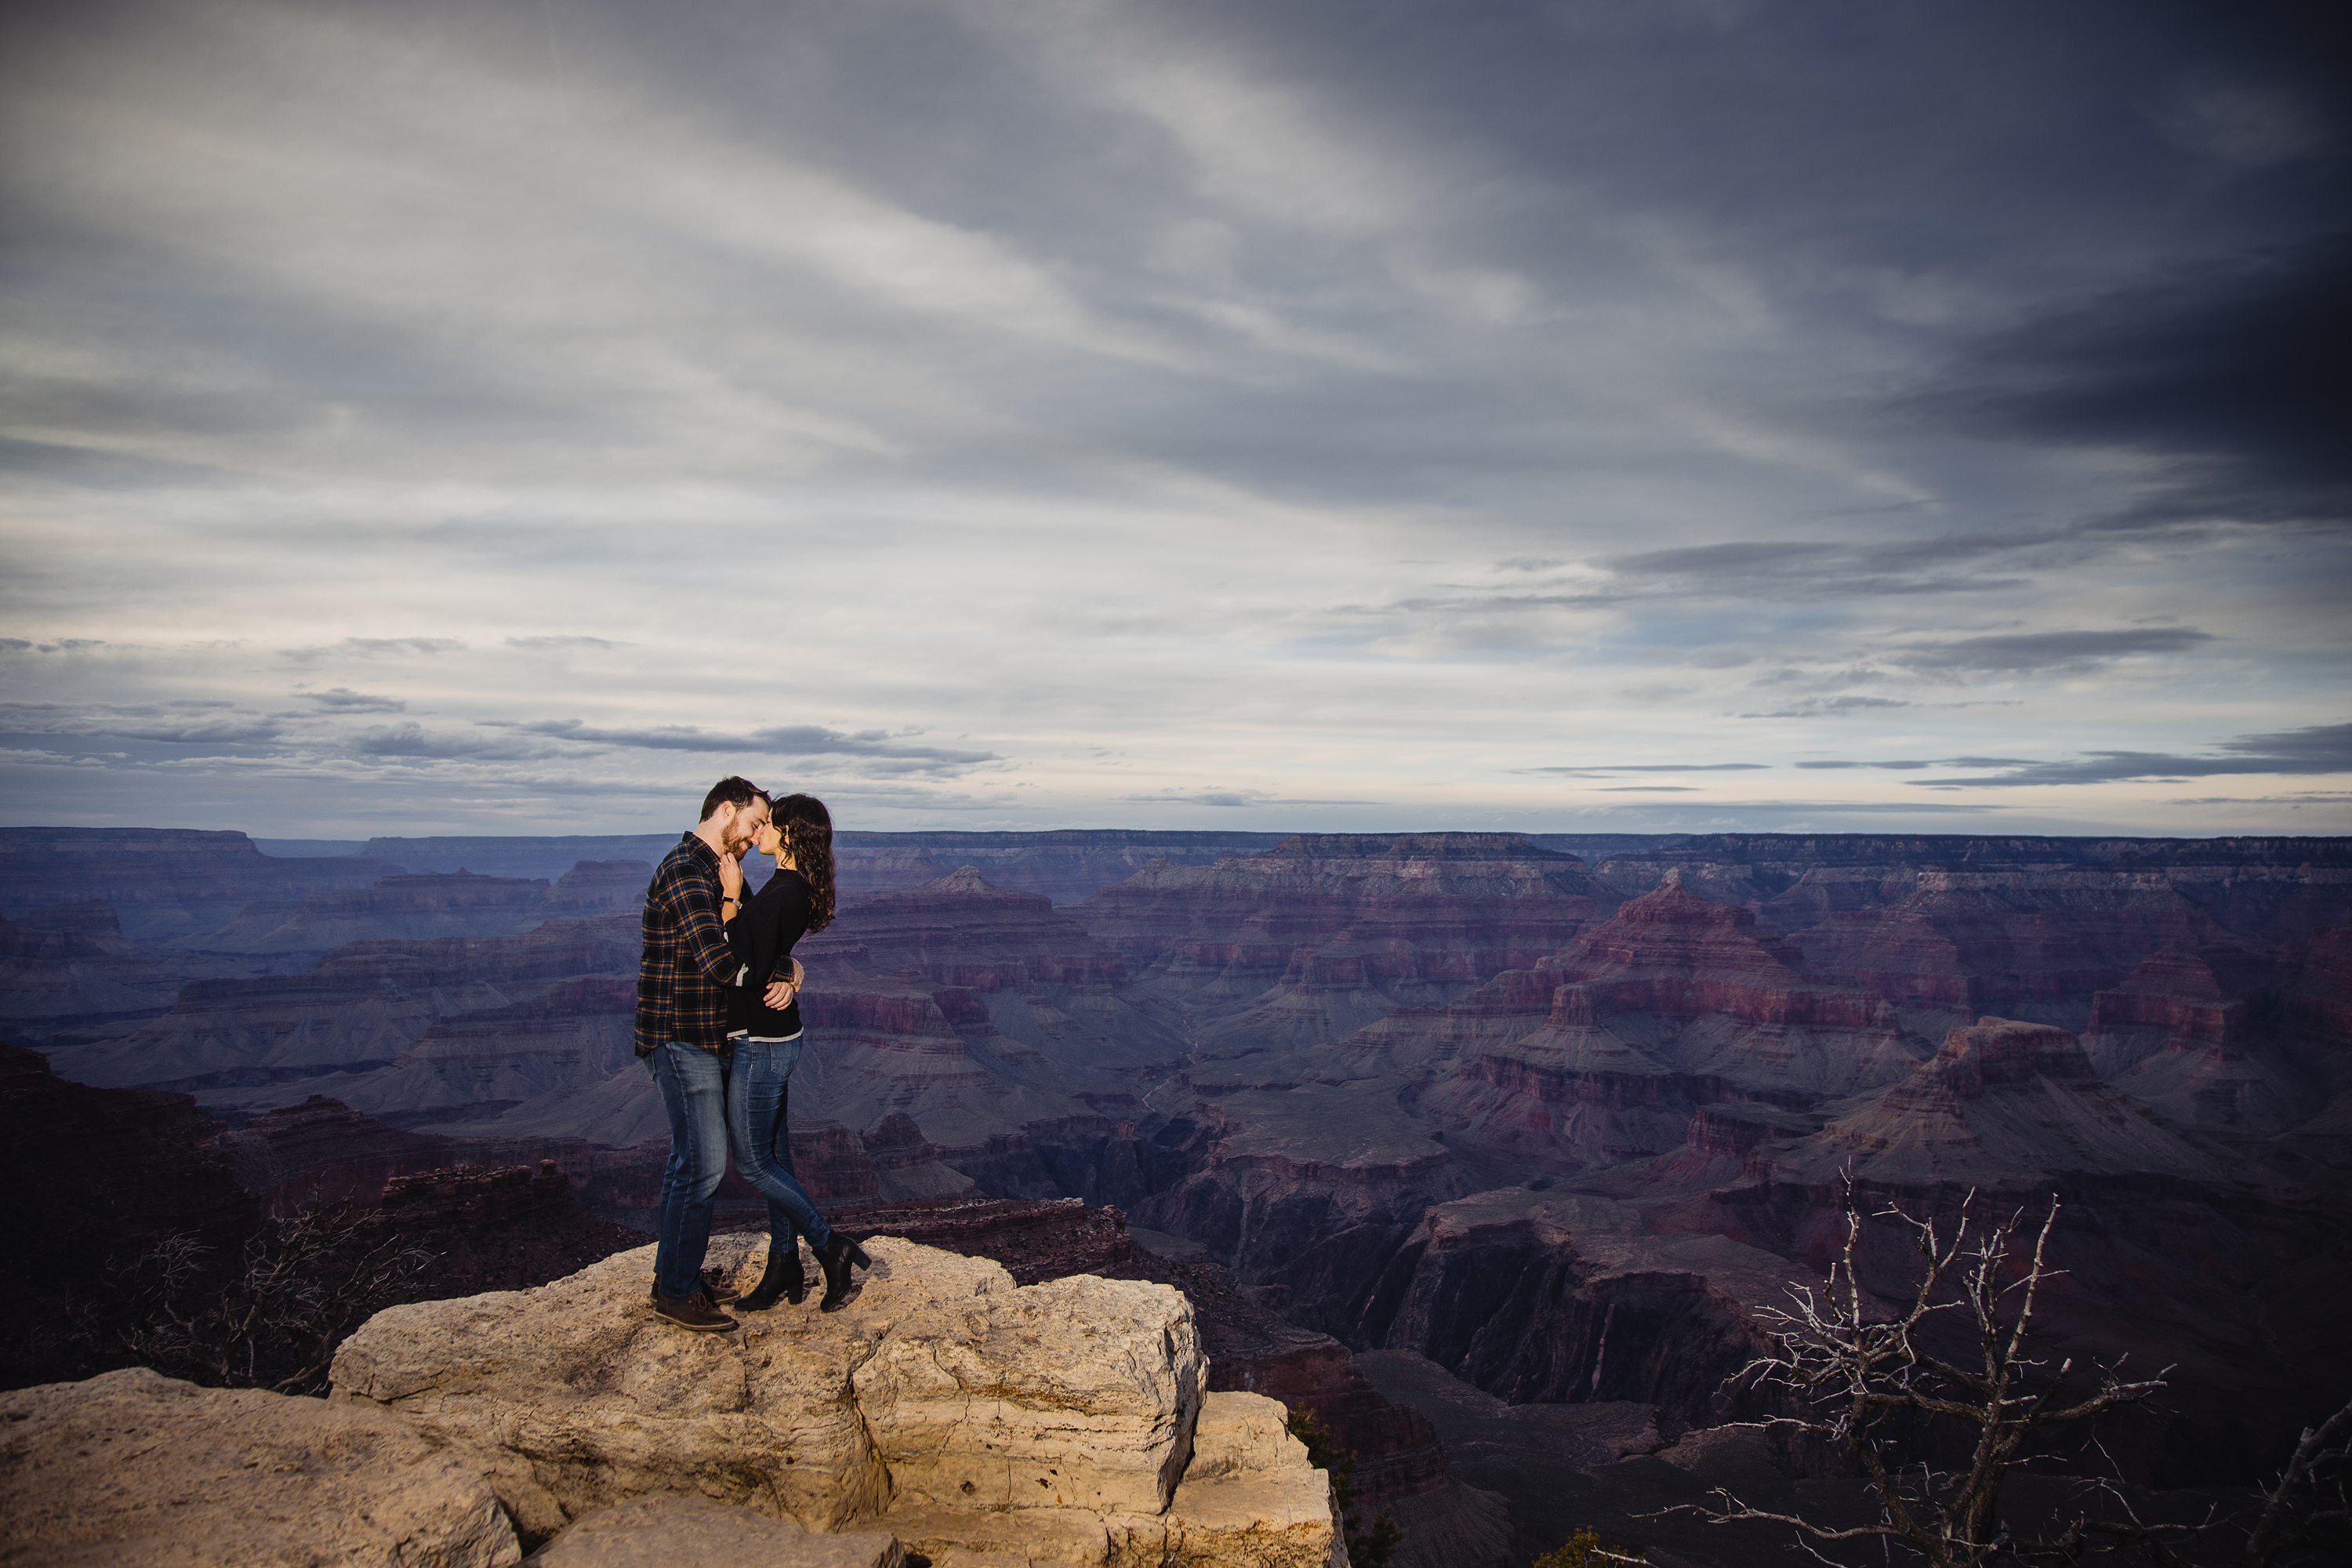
839	1256
783	1277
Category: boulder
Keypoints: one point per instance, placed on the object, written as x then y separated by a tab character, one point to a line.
1076	1392
666	1531
134	1467
979	1420
1248	1499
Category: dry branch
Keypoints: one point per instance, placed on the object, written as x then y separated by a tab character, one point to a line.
1857	1378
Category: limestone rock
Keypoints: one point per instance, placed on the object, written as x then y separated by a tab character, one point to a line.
981	1421
134	1467
1251	1499
1078	1392
1248	1499
666	1531
1239	1434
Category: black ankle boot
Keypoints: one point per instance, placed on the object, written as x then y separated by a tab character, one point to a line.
782	1278
836	1258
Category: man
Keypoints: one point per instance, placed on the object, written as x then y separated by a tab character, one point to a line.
682	984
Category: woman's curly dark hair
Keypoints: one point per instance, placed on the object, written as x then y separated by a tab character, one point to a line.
807	828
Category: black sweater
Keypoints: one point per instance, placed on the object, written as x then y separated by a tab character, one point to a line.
761	935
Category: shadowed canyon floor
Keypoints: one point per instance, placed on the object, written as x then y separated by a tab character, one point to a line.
1548	1125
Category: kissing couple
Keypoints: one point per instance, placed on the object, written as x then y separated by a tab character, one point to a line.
718	1027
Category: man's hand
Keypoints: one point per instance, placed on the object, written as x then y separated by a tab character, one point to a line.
780	993
730	876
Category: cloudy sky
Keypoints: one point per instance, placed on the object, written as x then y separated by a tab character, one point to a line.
507	415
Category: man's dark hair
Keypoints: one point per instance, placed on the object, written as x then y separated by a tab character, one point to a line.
729	791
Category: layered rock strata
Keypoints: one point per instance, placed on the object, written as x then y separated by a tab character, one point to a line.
166	884
2002	1105
69	966
1328	933
1556	1297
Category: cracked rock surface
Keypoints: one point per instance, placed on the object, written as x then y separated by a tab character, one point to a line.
134	1467
980	1422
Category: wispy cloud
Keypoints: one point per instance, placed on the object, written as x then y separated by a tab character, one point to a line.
374	649
343	699
1235	798
787	740
2044	653
1597	770
1832	708
2319	749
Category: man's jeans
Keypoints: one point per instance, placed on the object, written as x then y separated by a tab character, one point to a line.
758	1094
693	1084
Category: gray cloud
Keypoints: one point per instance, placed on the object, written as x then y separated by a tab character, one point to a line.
1832	708
343	699
2317	749
2294	802
796	740
1813	569
2237	371
373	647
194	722
1048	371
1915	765
415	742
1236	798
1596	770
2043	653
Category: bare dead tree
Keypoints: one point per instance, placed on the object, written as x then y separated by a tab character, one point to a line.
2307	1516
1862	1380
303	1280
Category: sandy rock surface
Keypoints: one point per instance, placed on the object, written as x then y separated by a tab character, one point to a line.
1076	1392
671	1531
981	1421
134	1467
1248	1499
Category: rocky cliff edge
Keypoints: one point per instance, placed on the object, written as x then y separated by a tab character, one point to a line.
948	1415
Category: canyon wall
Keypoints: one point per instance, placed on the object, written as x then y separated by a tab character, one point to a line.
1555	1124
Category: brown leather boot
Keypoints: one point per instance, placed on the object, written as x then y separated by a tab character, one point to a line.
696	1311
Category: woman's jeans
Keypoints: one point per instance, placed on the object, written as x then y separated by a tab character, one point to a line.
693	1084
758	1093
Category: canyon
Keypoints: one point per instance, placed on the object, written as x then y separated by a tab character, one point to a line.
1435	1119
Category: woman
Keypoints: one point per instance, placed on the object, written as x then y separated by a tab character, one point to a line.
766	1045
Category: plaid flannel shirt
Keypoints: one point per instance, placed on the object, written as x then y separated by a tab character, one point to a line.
685	970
